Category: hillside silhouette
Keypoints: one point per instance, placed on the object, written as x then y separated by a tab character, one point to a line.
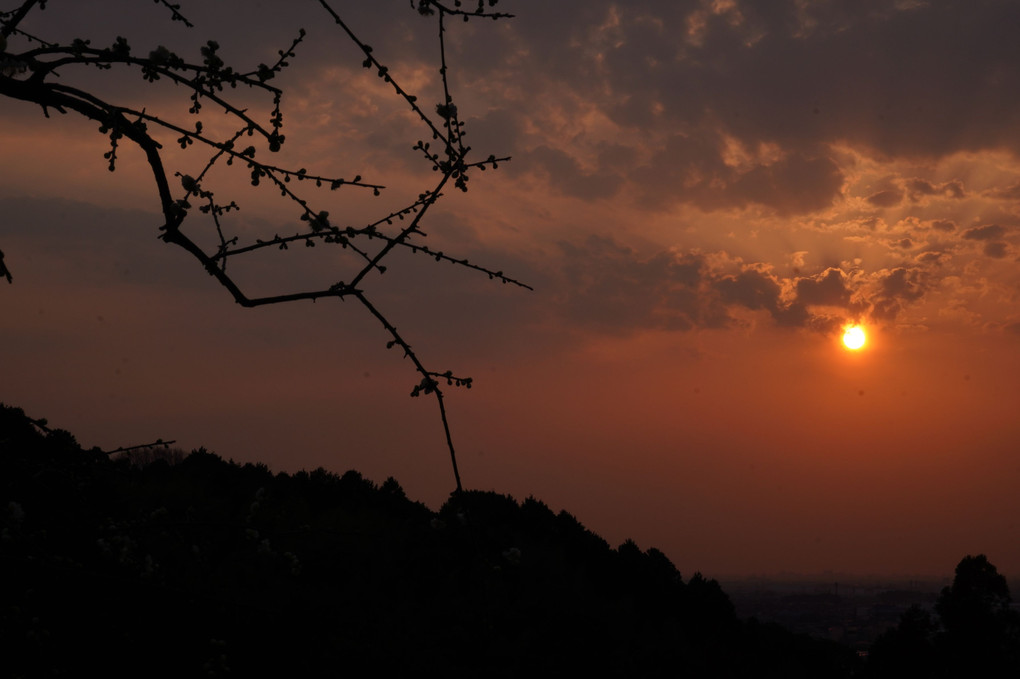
164	564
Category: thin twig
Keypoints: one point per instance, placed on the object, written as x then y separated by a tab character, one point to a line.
207	82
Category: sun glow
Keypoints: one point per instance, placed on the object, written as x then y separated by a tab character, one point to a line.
854	337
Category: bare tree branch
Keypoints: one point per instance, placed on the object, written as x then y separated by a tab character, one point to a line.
29	74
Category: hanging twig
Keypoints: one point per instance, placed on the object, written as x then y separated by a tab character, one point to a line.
30	75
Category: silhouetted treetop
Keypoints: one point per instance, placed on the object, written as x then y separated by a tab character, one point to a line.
978	592
976	632
211	566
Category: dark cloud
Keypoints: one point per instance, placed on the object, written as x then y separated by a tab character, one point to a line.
795	185
895	289
610	287
1008	193
93	245
564	174
681	169
916	190
902	284
919	188
931	257
498	131
996	249
887	198
755	289
827	289
904	79
986	232
690	169
750	288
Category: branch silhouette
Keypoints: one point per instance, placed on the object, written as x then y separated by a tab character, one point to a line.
30	66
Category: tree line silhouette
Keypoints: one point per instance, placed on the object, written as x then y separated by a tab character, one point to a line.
157	563
195	565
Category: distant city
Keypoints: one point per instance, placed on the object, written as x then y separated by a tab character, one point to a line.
851	611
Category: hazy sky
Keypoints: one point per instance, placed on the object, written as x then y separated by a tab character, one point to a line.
702	193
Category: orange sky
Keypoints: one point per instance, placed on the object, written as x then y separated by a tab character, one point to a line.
701	193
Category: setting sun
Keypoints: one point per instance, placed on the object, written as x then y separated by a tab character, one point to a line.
854	337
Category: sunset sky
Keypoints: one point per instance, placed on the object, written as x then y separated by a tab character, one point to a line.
702	194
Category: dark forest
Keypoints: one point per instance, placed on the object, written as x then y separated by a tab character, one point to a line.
160	563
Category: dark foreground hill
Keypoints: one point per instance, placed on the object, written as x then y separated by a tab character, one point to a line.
208	568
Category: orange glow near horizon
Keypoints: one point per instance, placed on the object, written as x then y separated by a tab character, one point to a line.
854	337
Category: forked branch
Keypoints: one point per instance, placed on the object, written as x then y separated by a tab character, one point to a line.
31	74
